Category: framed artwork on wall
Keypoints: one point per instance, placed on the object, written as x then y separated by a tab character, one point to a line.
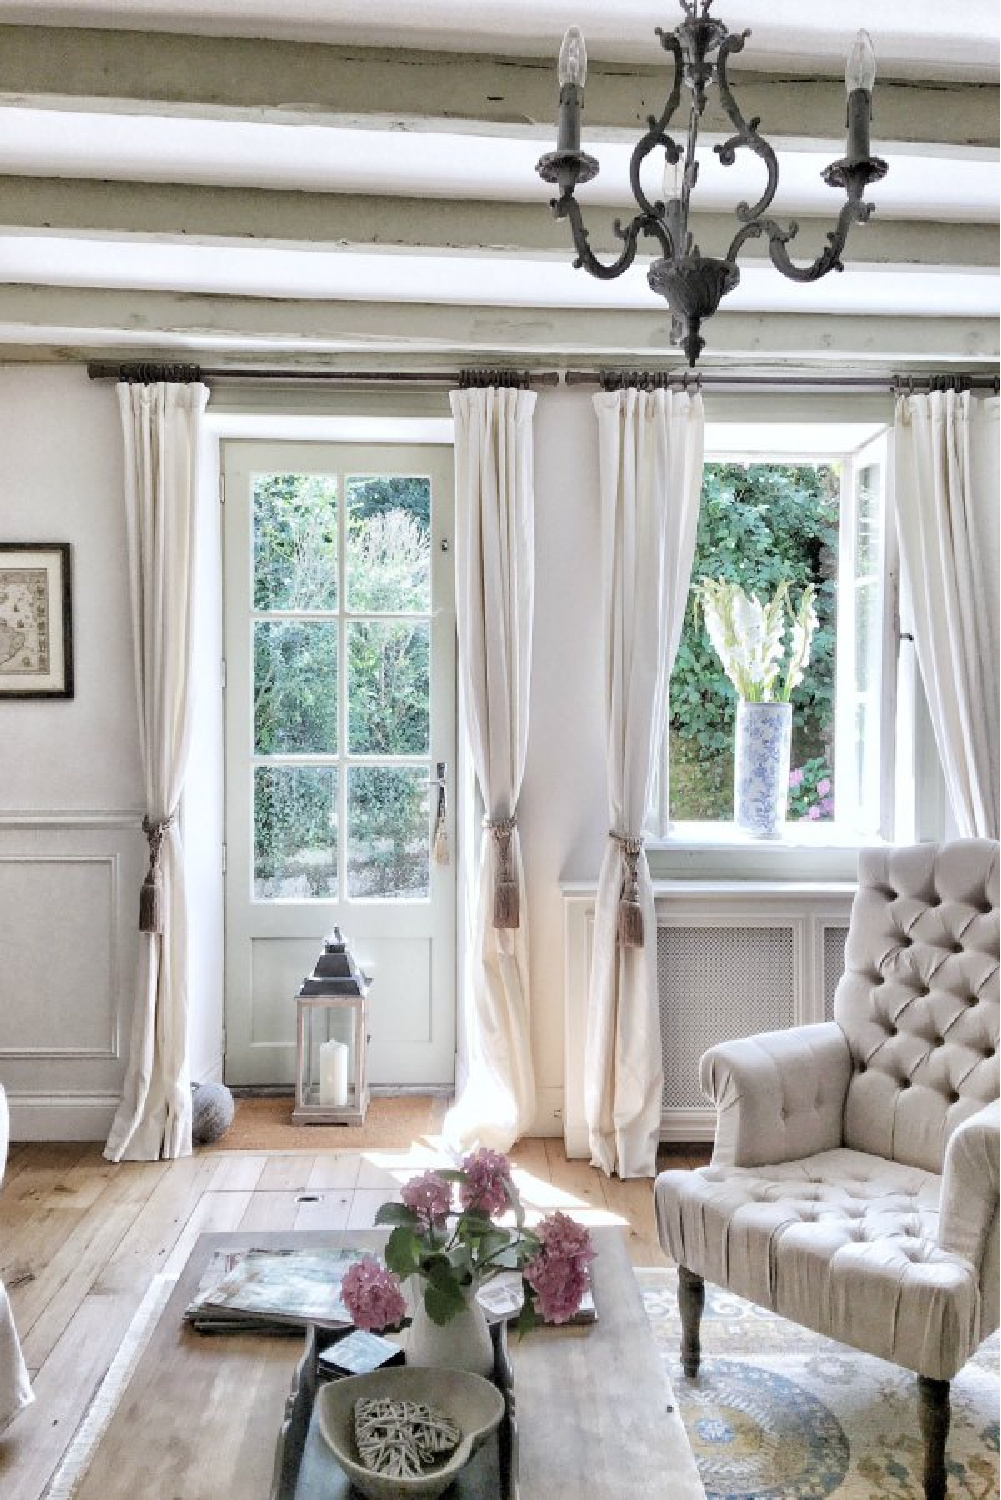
36	622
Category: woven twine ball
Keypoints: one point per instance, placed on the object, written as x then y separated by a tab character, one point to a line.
212	1111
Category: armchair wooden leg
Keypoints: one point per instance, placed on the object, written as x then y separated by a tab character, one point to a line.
933	1416
691	1301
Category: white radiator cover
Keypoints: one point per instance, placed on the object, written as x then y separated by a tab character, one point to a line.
733	958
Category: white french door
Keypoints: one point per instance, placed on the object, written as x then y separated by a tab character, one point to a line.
340	705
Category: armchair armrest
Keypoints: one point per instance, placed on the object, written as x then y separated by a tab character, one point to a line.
779	1095
971	1178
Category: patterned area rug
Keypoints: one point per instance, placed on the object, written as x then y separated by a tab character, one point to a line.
780	1413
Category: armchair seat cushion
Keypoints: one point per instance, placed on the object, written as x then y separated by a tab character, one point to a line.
843	1242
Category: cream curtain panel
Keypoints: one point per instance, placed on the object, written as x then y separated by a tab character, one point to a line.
495	582
650	465
946	484
161	425
15	1385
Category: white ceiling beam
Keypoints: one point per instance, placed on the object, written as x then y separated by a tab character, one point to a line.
253	78
148	264
910	34
75	322
209	215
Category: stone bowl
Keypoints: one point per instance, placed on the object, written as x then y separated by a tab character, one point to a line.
474	1404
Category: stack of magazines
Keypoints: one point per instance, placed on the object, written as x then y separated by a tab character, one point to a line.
272	1291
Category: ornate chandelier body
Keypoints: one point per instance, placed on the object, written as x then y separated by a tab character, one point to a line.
694	284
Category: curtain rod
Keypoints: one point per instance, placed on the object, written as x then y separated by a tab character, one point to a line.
609	377
147	372
720	381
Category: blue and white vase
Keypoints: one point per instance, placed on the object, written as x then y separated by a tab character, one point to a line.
761	767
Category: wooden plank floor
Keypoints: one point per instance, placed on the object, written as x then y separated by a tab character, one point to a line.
80	1240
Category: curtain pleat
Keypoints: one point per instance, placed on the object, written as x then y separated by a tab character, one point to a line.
945	450
161	426
650	457
495	581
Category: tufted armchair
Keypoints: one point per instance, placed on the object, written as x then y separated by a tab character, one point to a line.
854	1180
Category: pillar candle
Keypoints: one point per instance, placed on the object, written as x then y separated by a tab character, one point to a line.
334	1074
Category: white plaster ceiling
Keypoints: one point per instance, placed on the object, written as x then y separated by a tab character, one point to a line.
153	142
915	38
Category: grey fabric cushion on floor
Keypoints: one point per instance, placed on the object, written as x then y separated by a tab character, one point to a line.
212	1111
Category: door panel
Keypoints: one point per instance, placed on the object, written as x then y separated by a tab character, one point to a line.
340	701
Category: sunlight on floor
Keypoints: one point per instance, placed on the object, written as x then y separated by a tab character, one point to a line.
391	1169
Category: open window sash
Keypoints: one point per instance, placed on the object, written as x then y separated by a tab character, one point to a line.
868	640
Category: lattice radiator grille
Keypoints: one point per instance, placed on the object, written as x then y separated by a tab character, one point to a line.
715	983
834	965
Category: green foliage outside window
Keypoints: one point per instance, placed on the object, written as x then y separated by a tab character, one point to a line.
296	683
759	524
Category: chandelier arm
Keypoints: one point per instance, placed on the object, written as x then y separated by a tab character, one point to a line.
747	131
656	134
779	235
567	207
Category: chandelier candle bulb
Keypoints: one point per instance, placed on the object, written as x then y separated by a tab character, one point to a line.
334	1074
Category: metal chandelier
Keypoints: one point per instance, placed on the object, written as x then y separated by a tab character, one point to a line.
694	284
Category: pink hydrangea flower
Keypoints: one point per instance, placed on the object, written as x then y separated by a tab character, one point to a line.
796	777
813	813
823	787
372	1295
429	1197
488	1182
561	1272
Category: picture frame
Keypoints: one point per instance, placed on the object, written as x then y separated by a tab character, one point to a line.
36	620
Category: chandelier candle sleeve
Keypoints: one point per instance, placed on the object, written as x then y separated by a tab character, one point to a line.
860	76
572	72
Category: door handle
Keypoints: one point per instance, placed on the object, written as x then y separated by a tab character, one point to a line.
439	839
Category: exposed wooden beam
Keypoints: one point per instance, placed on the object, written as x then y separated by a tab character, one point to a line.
113	324
247	78
204	215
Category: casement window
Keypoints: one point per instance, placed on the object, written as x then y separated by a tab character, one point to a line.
804	505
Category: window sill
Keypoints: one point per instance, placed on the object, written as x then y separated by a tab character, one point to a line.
804	852
798	835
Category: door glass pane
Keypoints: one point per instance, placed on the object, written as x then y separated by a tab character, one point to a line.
295	833
295	541
295	687
388	832
389	687
389	544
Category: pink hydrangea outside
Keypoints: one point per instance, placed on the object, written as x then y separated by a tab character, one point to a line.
823	787
429	1197
560	1274
373	1296
487	1186
796	777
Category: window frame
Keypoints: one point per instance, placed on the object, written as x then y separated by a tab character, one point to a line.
832	844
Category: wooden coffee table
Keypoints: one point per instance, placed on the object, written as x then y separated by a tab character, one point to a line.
199	1418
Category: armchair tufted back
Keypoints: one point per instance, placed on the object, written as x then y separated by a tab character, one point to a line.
919	998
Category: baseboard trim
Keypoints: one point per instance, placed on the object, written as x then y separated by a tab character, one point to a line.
61	1117
687	1125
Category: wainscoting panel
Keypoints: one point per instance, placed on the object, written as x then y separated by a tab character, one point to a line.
733	958
69	944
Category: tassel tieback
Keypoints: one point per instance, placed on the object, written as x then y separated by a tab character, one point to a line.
151	892
630	922
507	903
